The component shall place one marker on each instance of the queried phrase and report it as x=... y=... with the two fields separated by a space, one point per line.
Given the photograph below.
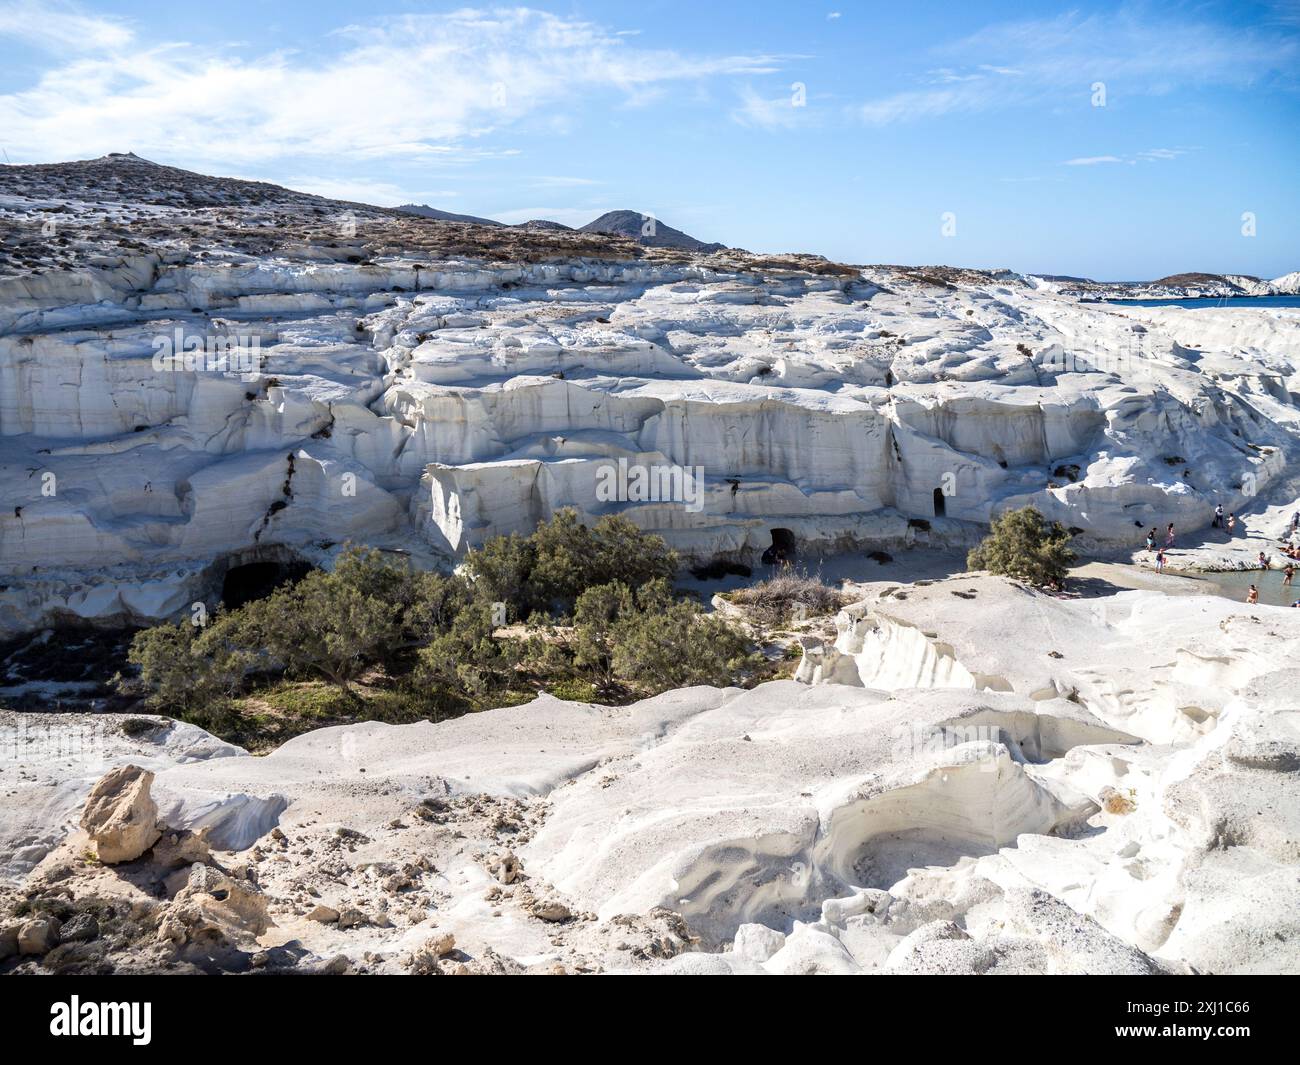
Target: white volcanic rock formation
x=424 y=385
x=1127 y=807
x=1178 y=286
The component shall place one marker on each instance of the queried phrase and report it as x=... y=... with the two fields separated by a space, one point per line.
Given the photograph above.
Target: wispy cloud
x=1155 y=155
x=415 y=87
x=1047 y=61
x=763 y=112
x=61 y=27
x=360 y=190
x=1151 y=155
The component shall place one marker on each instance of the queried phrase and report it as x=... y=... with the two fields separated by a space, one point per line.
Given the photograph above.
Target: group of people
x=1219 y=522
x=1292 y=552
x=1160 y=554
x=1290 y=549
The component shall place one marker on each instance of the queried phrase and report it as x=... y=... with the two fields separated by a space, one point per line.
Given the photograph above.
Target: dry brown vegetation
x=785 y=598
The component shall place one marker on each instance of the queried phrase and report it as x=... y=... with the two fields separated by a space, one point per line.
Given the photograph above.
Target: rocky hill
x=647 y=230
x=1176 y=286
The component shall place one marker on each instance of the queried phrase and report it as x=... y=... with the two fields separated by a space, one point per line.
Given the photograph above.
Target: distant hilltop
x=643 y=228
x=647 y=230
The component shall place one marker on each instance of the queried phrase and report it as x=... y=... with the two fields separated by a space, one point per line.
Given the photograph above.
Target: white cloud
x=1048 y=61
x=357 y=190
x=760 y=112
x=59 y=27
x=416 y=87
x=914 y=105
x=1151 y=155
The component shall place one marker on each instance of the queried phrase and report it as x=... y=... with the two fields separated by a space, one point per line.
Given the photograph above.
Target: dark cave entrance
x=256 y=580
x=939 y=503
x=782 y=550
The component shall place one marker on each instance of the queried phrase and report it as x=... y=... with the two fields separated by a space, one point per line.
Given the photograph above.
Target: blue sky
x=850 y=129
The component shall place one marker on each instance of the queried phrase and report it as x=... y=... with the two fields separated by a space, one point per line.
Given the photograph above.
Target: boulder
x=757 y=942
x=505 y=867
x=38 y=936
x=182 y=849
x=120 y=816
x=215 y=909
x=8 y=942
x=550 y=910
x=79 y=929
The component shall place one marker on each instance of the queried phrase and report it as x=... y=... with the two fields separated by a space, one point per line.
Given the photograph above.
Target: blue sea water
x=1231 y=301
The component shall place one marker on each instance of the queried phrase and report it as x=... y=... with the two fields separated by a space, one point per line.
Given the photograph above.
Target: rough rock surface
x=121 y=816
x=967 y=776
x=423 y=385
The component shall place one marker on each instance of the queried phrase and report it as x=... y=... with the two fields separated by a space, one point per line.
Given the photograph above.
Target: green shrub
x=594 y=617
x=673 y=644
x=500 y=571
x=324 y=625
x=1021 y=544
x=574 y=691
x=410 y=702
x=185 y=669
x=625 y=553
x=550 y=569
x=311 y=700
x=329 y=625
x=468 y=657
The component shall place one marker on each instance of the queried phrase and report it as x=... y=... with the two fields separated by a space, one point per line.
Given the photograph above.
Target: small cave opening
x=939 y=503
x=256 y=580
x=782 y=551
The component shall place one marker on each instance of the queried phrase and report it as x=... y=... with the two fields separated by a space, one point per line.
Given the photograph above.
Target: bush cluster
x=574 y=608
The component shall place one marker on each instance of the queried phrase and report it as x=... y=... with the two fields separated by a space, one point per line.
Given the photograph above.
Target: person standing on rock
x=1151 y=541
x=1218 y=516
x=1160 y=561
x=1232 y=523
x=1252 y=596
x=1169 y=535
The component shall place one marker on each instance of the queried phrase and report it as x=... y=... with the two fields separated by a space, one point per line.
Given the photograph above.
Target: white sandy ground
x=997 y=781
